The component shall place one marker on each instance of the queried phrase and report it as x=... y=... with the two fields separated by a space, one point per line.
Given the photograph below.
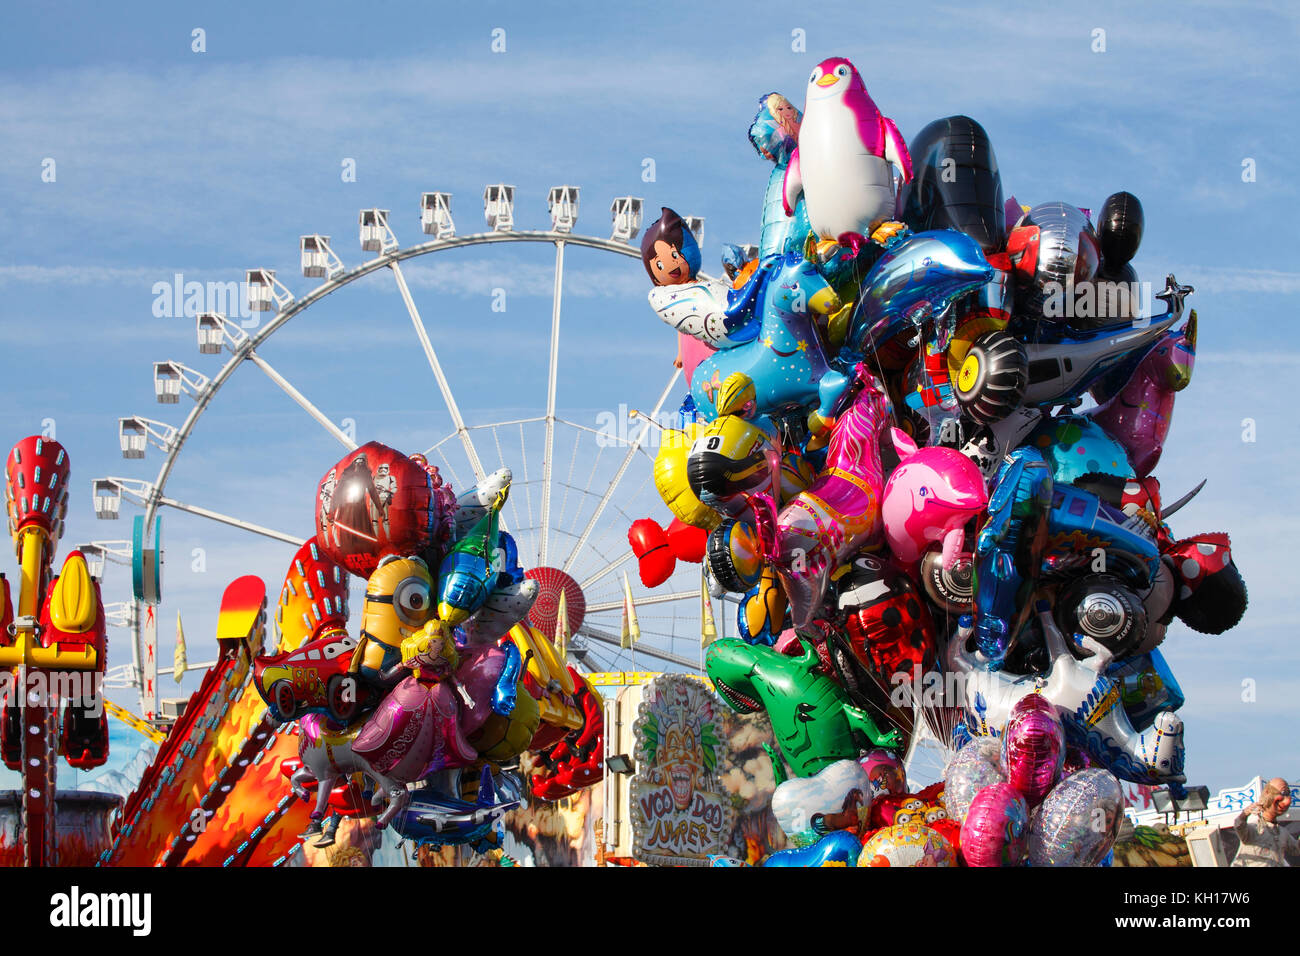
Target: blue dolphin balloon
x=840 y=846
x=912 y=284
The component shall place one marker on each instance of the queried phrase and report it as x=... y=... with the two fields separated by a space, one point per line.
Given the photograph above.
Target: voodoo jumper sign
x=680 y=813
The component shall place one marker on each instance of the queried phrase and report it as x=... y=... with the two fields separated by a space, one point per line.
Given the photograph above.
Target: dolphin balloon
x=930 y=497
x=916 y=281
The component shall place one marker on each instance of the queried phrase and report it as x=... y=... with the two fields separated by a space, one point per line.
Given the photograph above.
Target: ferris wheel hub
x=551 y=582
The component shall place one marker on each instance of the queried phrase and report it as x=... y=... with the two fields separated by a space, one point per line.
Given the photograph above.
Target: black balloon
x=956 y=183
x=1119 y=228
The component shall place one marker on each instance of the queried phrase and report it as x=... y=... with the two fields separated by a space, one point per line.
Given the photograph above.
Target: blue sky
x=206 y=164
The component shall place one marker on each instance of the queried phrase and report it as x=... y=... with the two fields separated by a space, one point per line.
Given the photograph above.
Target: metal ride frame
x=218 y=334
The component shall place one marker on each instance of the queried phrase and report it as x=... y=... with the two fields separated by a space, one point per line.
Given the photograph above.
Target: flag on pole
x=179 y=660
x=631 y=630
x=562 y=633
x=708 y=629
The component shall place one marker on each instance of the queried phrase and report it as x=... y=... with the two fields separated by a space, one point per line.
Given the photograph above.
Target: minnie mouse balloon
x=1078 y=822
x=996 y=827
x=1033 y=748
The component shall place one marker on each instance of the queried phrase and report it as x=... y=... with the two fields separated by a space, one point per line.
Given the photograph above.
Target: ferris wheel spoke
x=302 y=400
x=652 y=599
x=568 y=482
x=551 y=380
x=528 y=492
x=607 y=569
x=622 y=470
x=450 y=468
x=641 y=648
x=295 y=540
x=453 y=409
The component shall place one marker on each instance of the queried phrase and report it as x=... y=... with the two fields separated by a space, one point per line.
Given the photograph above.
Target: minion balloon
x=398 y=603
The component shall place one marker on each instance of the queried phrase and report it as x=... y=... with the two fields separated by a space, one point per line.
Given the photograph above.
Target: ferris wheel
x=576 y=488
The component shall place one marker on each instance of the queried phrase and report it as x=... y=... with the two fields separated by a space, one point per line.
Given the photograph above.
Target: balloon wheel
x=581 y=474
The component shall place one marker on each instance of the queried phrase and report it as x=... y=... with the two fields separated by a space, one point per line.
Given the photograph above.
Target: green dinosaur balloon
x=812 y=719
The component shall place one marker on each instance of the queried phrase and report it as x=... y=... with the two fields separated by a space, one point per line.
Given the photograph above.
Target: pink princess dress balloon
x=929 y=498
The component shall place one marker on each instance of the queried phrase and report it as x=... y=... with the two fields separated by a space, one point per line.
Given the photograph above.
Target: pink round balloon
x=1033 y=748
x=996 y=827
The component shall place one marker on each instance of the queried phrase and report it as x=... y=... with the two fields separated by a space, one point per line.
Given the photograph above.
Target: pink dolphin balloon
x=837 y=515
x=930 y=497
x=1139 y=416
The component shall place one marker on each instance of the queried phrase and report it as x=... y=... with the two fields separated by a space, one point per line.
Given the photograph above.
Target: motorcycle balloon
x=949 y=589
x=1105 y=609
x=1146 y=686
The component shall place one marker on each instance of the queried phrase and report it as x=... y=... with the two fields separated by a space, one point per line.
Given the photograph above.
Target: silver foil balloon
x=1078 y=822
x=1068 y=254
x=974 y=767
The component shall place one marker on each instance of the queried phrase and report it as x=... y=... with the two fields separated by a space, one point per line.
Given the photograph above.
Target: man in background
x=1265 y=842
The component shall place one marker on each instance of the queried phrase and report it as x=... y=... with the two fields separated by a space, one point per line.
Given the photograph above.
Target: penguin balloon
x=845 y=161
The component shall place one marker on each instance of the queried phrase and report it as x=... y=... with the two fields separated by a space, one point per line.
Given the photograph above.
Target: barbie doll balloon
x=775 y=134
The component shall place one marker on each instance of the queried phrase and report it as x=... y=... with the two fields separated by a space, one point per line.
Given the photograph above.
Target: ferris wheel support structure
x=220 y=334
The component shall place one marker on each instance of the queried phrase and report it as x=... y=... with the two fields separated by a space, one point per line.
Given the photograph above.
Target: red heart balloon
x=655 y=557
